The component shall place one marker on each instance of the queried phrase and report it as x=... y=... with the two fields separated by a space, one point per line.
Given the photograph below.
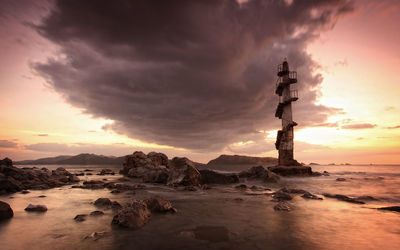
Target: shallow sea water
x=214 y=218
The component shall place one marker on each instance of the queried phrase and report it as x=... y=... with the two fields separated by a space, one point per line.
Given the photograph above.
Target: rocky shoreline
x=178 y=173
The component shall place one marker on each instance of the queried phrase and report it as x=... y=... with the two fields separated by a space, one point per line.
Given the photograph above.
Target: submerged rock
x=282 y=206
x=80 y=217
x=135 y=215
x=6 y=211
x=281 y=195
x=343 y=198
x=214 y=177
x=96 y=213
x=36 y=208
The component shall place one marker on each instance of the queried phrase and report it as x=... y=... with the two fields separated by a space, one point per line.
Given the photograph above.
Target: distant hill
x=81 y=159
x=239 y=162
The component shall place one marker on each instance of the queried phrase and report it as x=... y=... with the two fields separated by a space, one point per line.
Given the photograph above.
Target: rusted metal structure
x=284 y=139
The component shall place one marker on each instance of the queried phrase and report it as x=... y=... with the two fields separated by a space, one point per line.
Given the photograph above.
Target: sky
x=197 y=78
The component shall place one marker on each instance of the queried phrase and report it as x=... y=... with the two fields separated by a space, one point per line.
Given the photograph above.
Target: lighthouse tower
x=284 y=139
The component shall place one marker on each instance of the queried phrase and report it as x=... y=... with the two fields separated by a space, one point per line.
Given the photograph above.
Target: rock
x=13 y=179
x=116 y=191
x=316 y=174
x=159 y=204
x=6 y=211
x=340 y=179
x=102 y=202
x=367 y=198
x=311 y=196
x=214 y=177
x=259 y=172
x=106 y=171
x=292 y=170
x=183 y=172
x=151 y=167
x=88 y=174
x=79 y=174
x=97 y=235
x=282 y=206
x=281 y=195
x=393 y=208
x=96 y=213
x=325 y=173
x=88 y=170
x=25 y=192
x=80 y=217
x=6 y=162
x=241 y=187
x=190 y=188
x=42 y=196
x=135 y=215
x=36 y=208
x=238 y=199
x=93 y=184
x=343 y=198
x=124 y=179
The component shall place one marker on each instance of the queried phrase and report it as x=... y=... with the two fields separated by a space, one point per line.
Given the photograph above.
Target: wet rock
x=325 y=173
x=392 y=208
x=292 y=170
x=159 y=204
x=311 y=196
x=282 y=206
x=340 y=179
x=80 y=217
x=6 y=211
x=214 y=177
x=367 y=198
x=135 y=215
x=101 y=202
x=159 y=175
x=116 y=191
x=25 y=192
x=42 y=196
x=106 y=171
x=88 y=174
x=281 y=195
x=241 y=187
x=79 y=174
x=13 y=179
x=36 y=208
x=93 y=184
x=88 y=170
x=190 y=188
x=115 y=205
x=183 y=172
x=259 y=172
x=96 y=213
x=97 y=235
x=343 y=198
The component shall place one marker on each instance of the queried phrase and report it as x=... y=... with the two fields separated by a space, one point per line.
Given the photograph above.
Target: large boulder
x=214 y=177
x=134 y=215
x=259 y=172
x=151 y=167
x=182 y=171
x=5 y=211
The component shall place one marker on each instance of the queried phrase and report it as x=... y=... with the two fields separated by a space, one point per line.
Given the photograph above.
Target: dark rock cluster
x=13 y=179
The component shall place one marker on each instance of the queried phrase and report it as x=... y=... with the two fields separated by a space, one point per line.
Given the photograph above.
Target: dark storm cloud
x=191 y=74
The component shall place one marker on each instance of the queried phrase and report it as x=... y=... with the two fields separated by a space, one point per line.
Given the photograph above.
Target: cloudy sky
x=197 y=78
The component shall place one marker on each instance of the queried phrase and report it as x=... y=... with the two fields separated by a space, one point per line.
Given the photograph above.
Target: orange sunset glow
x=356 y=54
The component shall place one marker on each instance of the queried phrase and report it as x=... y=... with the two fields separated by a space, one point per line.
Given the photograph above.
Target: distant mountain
x=81 y=159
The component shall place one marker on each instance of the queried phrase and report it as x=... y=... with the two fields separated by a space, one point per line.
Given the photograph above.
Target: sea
x=221 y=217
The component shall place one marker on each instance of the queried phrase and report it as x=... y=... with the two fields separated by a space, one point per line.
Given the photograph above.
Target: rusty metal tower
x=284 y=139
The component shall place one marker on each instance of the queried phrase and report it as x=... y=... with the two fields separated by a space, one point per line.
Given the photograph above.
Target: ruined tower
x=284 y=139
